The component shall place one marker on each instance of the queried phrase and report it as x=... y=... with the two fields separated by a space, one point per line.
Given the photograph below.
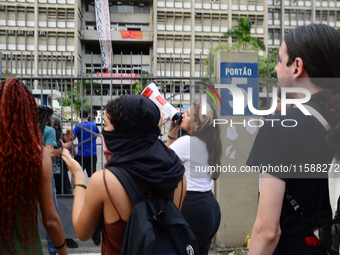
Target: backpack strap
x=317 y=115
x=333 y=176
x=129 y=183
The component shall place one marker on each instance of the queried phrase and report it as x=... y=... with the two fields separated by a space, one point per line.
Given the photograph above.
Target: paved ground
x=87 y=248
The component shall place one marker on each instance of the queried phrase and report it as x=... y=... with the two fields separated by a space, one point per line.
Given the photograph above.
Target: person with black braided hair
x=50 y=142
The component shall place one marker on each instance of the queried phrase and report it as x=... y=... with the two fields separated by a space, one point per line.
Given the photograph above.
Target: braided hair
x=45 y=114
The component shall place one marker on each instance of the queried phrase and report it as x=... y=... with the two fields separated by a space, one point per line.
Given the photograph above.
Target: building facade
x=284 y=15
x=59 y=37
x=38 y=37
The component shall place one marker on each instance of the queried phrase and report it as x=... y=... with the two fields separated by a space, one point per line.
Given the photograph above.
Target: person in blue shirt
x=87 y=149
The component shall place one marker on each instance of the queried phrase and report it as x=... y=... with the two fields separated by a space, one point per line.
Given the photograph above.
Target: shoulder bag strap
x=333 y=174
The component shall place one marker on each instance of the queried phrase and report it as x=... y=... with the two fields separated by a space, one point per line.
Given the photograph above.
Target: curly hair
x=20 y=165
x=115 y=112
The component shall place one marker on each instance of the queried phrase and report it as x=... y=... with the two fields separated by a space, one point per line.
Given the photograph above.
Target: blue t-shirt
x=86 y=135
x=49 y=136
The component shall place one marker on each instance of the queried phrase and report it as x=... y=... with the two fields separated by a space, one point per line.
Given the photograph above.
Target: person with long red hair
x=25 y=175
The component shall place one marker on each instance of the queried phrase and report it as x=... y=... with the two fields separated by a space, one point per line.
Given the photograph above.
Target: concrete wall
x=236 y=193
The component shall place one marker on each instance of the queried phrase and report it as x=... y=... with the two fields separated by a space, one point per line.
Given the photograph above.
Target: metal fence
x=47 y=88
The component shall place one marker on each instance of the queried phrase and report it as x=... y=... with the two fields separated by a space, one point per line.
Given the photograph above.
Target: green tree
x=140 y=84
x=76 y=102
x=242 y=33
x=86 y=85
x=272 y=64
x=226 y=46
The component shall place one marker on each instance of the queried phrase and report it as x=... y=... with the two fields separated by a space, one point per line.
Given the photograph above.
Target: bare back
x=122 y=201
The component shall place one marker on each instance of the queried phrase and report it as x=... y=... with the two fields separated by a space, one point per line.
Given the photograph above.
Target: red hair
x=20 y=165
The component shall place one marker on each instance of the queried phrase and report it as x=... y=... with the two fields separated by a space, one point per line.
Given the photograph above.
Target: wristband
x=61 y=246
x=172 y=138
x=80 y=185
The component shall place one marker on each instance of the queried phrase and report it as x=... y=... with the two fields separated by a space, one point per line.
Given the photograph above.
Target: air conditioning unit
x=21 y=32
x=42 y=32
x=2 y=7
x=69 y=57
x=287 y=30
x=141 y=4
x=30 y=32
x=301 y=11
x=4 y=56
x=270 y=9
x=187 y=83
x=11 y=32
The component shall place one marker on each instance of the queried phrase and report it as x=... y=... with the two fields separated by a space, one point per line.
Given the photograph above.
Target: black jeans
x=202 y=212
x=87 y=164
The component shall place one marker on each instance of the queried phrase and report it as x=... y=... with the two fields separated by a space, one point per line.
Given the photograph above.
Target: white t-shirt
x=194 y=154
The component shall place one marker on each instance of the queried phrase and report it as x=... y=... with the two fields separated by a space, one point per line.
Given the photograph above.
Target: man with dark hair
x=87 y=150
x=307 y=54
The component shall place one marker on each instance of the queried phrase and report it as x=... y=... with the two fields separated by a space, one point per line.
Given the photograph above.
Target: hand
x=68 y=135
x=72 y=165
x=67 y=145
x=161 y=121
x=174 y=131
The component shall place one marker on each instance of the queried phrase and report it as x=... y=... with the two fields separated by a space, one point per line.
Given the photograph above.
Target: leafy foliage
x=140 y=84
x=242 y=33
x=226 y=46
x=86 y=85
x=76 y=102
x=272 y=64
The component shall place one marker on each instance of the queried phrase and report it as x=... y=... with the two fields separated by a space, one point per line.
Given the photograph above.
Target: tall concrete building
x=31 y=30
x=175 y=35
x=284 y=15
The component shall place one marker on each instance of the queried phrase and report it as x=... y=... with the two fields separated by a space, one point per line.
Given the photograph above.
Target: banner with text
x=104 y=31
x=132 y=34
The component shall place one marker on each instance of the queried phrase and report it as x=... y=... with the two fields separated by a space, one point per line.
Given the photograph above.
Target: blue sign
x=244 y=75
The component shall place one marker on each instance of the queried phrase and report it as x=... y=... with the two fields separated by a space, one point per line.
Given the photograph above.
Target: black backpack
x=155 y=226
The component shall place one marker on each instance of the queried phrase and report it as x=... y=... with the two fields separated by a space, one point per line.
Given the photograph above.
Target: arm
x=180 y=192
x=50 y=218
x=53 y=152
x=172 y=133
x=87 y=204
x=266 y=231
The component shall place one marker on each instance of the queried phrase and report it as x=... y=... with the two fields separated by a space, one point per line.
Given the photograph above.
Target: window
x=270 y=17
x=276 y=37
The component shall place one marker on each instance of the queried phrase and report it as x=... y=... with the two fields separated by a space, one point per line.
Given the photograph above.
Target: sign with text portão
x=237 y=80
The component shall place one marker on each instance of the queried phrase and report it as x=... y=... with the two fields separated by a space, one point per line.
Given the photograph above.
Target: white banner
x=104 y=31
